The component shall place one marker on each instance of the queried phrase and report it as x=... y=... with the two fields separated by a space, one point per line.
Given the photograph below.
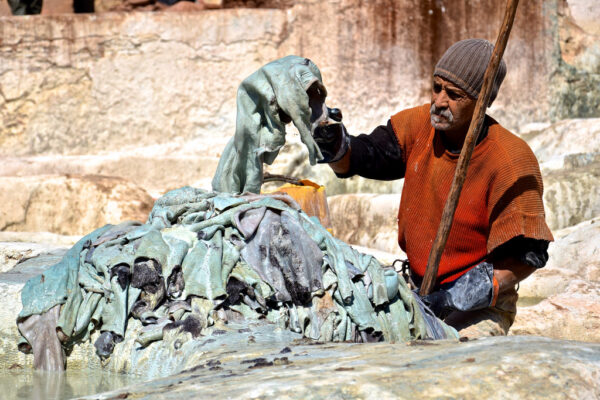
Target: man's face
x=451 y=108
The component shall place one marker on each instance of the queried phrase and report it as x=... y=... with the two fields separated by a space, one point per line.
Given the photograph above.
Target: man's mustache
x=443 y=112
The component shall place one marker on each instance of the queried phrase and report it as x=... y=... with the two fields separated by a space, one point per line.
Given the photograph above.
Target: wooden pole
x=465 y=155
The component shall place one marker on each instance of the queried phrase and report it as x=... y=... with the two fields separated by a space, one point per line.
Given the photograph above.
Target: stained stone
x=498 y=367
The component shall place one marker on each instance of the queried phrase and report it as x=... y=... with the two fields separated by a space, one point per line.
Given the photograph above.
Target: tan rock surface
x=573 y=314
x=568 y=287
x=569 y=155
x=69 y=205
x=560 y=145
x=572 y=195
x=94 y=85
x=98 y=81
x=41 y=238
x=127 y=80
x=368 y=220
x=156 y=170
x=54 y=7
x=579 y=32
x=578 y=249
x=499 y=368
x=13 y=253
x=586 y=14
x=4 y=9
x=575 y=255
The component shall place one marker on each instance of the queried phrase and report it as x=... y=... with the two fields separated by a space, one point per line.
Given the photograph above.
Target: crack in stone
x=25 y=212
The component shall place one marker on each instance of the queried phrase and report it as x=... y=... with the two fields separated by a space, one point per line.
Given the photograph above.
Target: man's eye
x=453 y=95
x=437 y=87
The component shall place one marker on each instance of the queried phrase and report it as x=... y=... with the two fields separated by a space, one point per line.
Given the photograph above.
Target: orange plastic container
x=311 y=197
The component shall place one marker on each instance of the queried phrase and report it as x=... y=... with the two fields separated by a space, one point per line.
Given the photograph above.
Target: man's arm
x=516 y=259
x=375 y=156
x=342 y=166
x=479 y=288
x=510 y=271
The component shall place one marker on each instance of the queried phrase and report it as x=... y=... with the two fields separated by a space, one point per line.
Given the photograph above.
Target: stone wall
x=83 y=84
x=69 y=205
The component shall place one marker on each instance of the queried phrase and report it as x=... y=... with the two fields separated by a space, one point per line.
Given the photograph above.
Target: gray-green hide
x=266 y=101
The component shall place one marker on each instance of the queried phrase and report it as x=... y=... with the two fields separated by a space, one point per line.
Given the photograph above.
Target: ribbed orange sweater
x=501 y=197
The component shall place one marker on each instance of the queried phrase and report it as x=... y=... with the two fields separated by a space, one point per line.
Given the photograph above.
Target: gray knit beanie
x=464 y=64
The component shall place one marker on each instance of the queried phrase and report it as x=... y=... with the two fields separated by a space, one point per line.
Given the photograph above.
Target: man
x=499 y=235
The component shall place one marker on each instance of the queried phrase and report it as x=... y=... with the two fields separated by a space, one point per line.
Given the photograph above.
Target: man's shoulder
x=418 y=113
x=510 y=150
x=412 y=120
x=505 y=139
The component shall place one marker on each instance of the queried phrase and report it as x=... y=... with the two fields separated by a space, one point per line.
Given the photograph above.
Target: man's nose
x=440 y=99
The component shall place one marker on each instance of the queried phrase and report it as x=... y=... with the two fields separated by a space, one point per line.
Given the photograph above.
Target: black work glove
x=474 y=290
x=333 y=139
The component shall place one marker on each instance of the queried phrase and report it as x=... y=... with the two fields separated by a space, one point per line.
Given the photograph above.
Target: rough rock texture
x=156 y=169
x=42 y=238
x=94 y=76
x=272 y=363
x=95 y=83
x=85 y=94
x=13 y=253
x=4 y=9
x=368 y=220
x=566 y=144
x=61 y=204
x=575 y=255
x=566 y=290
x=586 y=14
x=525 y=368
x=572 y=195
x=573 y=314
x=577 y=75
x=514 y=367
x=569 y=155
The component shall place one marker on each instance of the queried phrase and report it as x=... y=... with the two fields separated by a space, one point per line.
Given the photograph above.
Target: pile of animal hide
x=205 y=258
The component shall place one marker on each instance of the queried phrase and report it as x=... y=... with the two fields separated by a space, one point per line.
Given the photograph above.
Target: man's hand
x=332 y=138
x=474 y=290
